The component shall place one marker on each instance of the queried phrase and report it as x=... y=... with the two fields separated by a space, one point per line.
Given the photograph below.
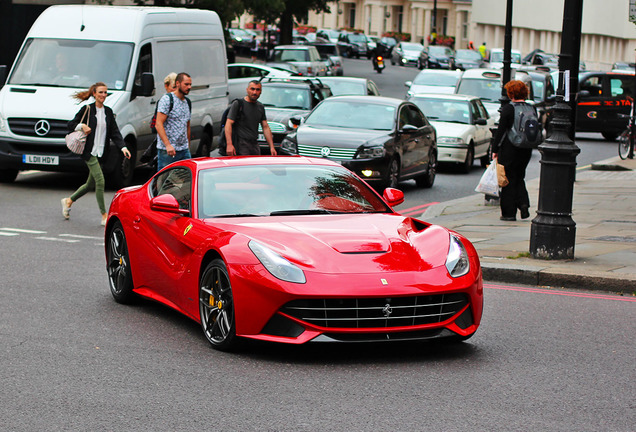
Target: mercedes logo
x=42 y=128
x=325 y=151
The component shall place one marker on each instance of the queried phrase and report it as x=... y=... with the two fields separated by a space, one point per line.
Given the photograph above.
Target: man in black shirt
x=245 y=116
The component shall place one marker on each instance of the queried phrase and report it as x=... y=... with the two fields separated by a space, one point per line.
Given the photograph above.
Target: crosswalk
x=44 y=235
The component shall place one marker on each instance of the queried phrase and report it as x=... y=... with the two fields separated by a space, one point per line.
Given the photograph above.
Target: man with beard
x=173 y=123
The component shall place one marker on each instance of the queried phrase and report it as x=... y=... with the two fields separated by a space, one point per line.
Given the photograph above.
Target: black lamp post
x=507 y=60
x=553 y=231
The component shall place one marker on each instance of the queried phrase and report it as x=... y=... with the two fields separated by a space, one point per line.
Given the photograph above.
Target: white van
x=70 y=47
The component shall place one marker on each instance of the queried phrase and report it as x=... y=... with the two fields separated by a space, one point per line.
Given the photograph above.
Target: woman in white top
x=101 y=129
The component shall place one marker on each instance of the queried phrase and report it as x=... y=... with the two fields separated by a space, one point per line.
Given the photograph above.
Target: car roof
x=482 y=73
x=456 y=72
x=343 y=78
x=293 y=81
x=455 y=97
x=516 y=51
x=293 y=47
x=378 y=100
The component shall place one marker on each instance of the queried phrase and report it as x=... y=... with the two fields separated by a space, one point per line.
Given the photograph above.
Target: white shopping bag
x=488 y=183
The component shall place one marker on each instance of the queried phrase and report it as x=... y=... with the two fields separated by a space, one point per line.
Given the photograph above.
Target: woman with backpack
x=515 y=159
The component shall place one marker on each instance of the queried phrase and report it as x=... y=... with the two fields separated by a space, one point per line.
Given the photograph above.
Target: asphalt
x=604 y=210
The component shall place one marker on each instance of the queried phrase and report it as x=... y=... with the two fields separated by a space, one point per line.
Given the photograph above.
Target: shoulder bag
x=75 y=141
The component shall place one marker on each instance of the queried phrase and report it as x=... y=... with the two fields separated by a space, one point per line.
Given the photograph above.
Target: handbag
x=488 y=183
x=75 y=141
x=502 y=180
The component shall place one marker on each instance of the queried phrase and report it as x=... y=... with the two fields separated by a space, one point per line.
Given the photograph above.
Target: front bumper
x=451 y=153
x=12 y=156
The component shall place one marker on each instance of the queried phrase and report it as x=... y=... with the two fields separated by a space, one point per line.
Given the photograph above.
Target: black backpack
x=526 y=128
x=222 y=141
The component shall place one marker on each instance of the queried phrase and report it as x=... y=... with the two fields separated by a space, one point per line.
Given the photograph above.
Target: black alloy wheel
x=609 y=136
x=8 y=175
x=118 y=265
x=216 y=306
x=392 y=174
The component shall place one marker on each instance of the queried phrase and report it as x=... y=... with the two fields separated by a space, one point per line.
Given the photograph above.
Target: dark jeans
x=515 y=195
x=164 y=160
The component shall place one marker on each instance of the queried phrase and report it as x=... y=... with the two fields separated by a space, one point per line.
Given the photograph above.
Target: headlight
x=371 y=152
x=289 y=146
x=278 y=266
x=457 y=262
x=449 y=140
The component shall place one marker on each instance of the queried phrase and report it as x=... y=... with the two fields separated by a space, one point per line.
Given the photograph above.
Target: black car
x=285 y=98
x=354 y=45
x=543 y=94
x=398 y=144
x=468 y=59
x=602 y=97
x=438 y=57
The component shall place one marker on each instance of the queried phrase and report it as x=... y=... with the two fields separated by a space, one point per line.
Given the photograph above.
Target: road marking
x=7 y=234
x=561 y=293
x=57 y=239
x=81 y=236
x=416 y=210
x=18 y=230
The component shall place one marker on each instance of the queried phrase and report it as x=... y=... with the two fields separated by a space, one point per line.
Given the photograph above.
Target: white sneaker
x=104 y=219
x=66 y=209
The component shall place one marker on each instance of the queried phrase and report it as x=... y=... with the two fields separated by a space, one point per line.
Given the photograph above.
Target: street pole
x=553 y=231
x=435 y=17
x=507 y=60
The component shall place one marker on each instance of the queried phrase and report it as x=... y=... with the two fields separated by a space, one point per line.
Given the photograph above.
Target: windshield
x=412 y=46
x=340 y=88
x=73 y=63
x=284 y=190
x=439 y=51
x=291 y=55
x=436 y=79
x=488 y=90
x=443 y=110
x=497 y=57
x=352 y=115
x=286 y=97
x=357 y=37
x=468 y=55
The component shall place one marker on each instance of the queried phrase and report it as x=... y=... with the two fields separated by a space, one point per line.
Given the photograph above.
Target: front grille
x=377 y=312
x=275 y=127
x=334 y=152
x=26 y=127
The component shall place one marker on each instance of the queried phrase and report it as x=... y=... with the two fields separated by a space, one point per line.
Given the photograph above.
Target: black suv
x=354 y=45
x=285 y=98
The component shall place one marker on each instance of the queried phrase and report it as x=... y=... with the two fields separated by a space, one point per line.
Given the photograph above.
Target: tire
x=122 y=175
x=379 y=70
x=427 y=179
x=623 y=144
x=205 y=145
x=118 y=265
x=609 y=136
x=393 y=174
x=485 y=160
x=8 y=175
x=469 y=161
x=392 y=61
x=216 y=306
x=419 y=64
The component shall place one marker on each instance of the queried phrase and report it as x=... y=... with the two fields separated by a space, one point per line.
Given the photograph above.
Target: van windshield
x=73 y=63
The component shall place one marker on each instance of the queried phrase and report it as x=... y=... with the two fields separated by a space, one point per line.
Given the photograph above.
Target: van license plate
x=261 y=137
x=41 y=159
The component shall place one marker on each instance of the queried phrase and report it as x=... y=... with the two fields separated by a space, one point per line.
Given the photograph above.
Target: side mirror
x=147 y=87
x=481 y=122
x=408 y=83
x=393 y=197
x=3 y=74
x=584 y=94
x=296 y=120
x=408 y=129
x=168 y=204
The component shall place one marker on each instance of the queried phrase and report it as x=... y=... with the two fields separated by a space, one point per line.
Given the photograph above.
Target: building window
x=352 y=16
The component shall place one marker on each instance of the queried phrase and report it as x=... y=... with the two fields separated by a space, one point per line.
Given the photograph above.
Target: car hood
x=411 y=53
x=451 y=129
x=282 y=115
x=336 y=136
x=337 y=243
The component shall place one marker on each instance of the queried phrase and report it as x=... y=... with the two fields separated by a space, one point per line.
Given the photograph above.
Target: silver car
x=305 y=57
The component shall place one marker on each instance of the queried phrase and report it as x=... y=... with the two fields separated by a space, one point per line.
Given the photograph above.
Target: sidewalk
x=604 y=210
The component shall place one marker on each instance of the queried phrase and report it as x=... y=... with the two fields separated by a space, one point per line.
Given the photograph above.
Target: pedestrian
x=471 y=46
x=173 y=123
x=483 y=51
x=170 y=82
x=245 y=115
x=433 y=37
x=254 y=48
x=101 y=129
x=149 y=155
x=514 y=159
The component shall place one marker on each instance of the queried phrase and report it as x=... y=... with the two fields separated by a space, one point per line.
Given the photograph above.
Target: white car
x=433 y=81
x=463 y=127
x=497 y=57
x=240 y=74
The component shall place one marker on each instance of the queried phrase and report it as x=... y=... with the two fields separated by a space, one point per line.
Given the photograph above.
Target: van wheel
x=609 y=136
x=205 y=145
x=122 y=175
x=8 y=175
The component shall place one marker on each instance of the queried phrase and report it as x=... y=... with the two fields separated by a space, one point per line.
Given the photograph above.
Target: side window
x=144 y=63
x=233 y=72
x=482 y=110
x=176 y=182
x=621 y=87
x=474 y=111
x=416 y=118
x=592 y=85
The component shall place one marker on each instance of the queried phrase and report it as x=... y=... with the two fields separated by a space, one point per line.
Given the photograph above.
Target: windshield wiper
x=301 y=212
x=237 y=215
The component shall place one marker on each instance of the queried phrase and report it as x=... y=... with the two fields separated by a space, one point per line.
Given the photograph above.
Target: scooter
x=378 y=63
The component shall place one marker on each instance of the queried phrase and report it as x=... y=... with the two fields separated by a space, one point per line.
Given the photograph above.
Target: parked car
x=623 y=67
x=602 y=97
x=468 y=59
x=497 y=57
x=463 y=127
x=354 y=45
x=289 y=250
x=406 y=53
x=434 y=81
x=437 y=57
x=331 y=51
x=486 y=85
x=285 y=98
x=329 y=34
x=305 y=57
x=351 y=86
x=383 y=140
x=240 y=74
x=241 y=40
